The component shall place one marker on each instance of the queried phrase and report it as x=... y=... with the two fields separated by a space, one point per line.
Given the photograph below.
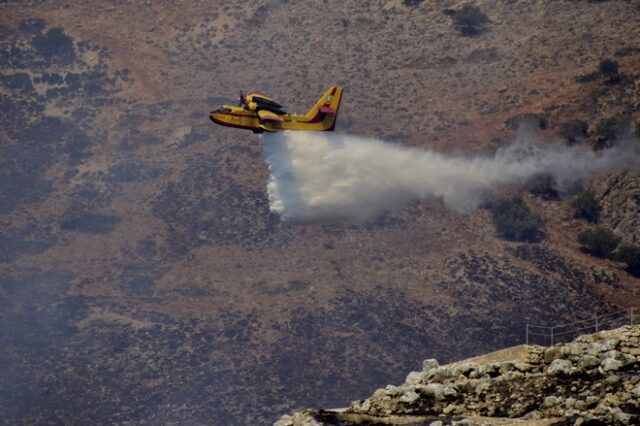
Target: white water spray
x=327 y=177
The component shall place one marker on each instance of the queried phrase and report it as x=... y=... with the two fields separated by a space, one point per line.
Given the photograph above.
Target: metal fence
x=564 y=332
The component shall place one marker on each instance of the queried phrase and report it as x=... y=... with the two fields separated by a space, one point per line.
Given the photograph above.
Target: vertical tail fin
x=326 y=109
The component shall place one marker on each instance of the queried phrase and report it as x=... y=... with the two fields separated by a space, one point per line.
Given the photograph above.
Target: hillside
x=143 y=277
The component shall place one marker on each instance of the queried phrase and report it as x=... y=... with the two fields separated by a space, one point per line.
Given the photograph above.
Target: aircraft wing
x=269 y=116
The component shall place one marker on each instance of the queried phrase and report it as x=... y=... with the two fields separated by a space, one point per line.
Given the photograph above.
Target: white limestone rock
x=560 y=366
x=429 y=364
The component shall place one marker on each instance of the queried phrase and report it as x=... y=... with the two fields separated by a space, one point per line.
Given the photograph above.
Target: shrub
x=92 y=223
x=588 y=78
x=55 y=44
x=527 y=119
x=629 y=254
x=18 y=81
x=469 y=20
x=610 y=68
x=543 y=185
x=575 y=130
x=608 y=129
x=586 y=206
x=410 y=3
x=515 y=222
x=599 y=241
x=32 y=25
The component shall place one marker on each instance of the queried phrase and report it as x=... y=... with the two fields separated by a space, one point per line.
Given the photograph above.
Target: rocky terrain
x=618 y=195
x=594 y=380
x=143 y=277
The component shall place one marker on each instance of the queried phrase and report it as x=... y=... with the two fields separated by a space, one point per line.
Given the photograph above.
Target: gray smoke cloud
x=328 y=177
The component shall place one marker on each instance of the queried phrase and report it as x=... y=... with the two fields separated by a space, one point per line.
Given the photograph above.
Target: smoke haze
x=327 y=177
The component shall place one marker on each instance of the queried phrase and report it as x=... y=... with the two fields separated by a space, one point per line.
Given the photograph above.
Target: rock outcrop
x=594 y=380
x=620 y=199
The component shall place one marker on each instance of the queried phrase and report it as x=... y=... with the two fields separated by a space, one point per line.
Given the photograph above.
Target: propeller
x=241 y=100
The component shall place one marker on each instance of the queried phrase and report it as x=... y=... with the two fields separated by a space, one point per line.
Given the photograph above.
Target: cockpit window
x=223 y=109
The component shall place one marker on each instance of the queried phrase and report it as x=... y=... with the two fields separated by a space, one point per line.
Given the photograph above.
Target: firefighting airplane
x=261 y=114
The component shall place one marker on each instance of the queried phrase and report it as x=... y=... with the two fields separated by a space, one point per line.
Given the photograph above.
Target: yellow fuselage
x=321 y=117
x=241 y=118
